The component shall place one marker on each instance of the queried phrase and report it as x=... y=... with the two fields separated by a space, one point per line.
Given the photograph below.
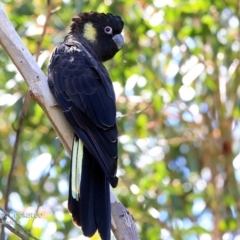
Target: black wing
x=84 y=91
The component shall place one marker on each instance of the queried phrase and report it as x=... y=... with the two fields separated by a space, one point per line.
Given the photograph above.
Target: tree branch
x=7 y=221
x=14 y=157
x=39 y=91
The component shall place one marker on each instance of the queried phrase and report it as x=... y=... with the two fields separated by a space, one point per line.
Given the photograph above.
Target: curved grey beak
x=118 y=39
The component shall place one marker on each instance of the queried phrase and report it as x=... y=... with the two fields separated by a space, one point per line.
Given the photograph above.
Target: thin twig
x=6 y=214
x=178 y=140
x=16 y=232
x=14 y=156
x=15 y=149
x=48 y=16
x=135 y=112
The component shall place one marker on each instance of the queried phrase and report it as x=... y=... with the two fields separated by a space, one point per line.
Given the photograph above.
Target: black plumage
x=84 y=91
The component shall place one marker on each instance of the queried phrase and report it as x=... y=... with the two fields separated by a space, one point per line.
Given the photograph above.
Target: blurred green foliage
x=177 y=88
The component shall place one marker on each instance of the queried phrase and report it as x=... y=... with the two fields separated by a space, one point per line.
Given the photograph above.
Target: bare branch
x=14 y=157
x=48 y=16
x=16 y=232
x=15 y=149
x=136 y=112
x=4 y=222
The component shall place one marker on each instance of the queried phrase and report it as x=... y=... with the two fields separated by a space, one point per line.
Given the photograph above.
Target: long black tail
x=92 y=210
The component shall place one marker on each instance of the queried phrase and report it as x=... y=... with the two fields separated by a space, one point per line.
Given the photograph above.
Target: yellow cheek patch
x=89 y=32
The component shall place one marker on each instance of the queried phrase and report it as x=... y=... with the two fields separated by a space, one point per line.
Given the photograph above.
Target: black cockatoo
x=84 y=91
